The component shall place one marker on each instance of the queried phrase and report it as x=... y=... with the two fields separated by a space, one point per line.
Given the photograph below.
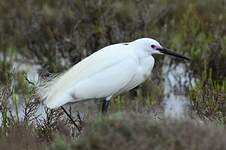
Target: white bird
x=107 y=72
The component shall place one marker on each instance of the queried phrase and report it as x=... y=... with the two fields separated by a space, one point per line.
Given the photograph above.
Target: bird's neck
x=140 y=49
x=141 y=53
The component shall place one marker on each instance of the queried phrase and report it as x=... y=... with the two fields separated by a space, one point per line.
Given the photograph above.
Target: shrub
x=142 y=132
x=209 y=98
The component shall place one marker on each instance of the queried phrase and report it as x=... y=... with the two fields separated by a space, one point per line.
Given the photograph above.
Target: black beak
x=172 y=53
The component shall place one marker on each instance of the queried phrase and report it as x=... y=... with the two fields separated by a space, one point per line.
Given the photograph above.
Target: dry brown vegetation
x=123 y=130
x=57 y=34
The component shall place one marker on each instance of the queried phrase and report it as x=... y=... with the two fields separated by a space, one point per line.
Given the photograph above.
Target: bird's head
x=152 y=46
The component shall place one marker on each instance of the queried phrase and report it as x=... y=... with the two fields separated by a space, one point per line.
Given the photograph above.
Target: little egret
x=107 y=72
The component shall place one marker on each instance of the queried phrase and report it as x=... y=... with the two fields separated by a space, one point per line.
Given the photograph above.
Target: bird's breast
x=143 y=72
x=145 y=67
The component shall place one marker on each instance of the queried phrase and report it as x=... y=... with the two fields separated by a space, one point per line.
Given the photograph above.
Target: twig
x=71 y=119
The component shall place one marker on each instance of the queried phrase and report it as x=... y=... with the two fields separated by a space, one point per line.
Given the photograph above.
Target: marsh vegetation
x=187 y=110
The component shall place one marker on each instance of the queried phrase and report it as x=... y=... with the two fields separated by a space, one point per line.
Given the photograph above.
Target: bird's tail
x=44 y=88
x=58 y=90
x=53 y=91
x=43 y=82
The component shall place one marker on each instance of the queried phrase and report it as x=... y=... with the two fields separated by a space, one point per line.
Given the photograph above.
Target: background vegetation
x=57 y=34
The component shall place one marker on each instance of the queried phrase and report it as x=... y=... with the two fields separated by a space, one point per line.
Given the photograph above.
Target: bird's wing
x=111 y=64
x=107 y=82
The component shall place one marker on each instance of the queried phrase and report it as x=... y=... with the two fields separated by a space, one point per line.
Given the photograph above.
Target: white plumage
x=110 y=71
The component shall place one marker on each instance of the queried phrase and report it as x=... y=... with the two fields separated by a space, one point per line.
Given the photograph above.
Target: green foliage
x=48 y=31
x=43 y=30
x=59 y=144
x=4 y=71
x=197 y=29
x=209 y=98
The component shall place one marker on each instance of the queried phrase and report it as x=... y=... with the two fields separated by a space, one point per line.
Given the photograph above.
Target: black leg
x=105 y=105
x=71 y=119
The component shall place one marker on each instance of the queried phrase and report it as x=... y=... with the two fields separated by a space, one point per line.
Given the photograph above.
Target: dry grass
x=20 y=137
x=122 y=130
x=138 y=131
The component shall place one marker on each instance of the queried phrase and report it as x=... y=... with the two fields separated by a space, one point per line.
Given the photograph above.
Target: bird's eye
x=153 y=46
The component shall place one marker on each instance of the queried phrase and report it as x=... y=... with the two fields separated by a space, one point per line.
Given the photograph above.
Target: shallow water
x=177 y=81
